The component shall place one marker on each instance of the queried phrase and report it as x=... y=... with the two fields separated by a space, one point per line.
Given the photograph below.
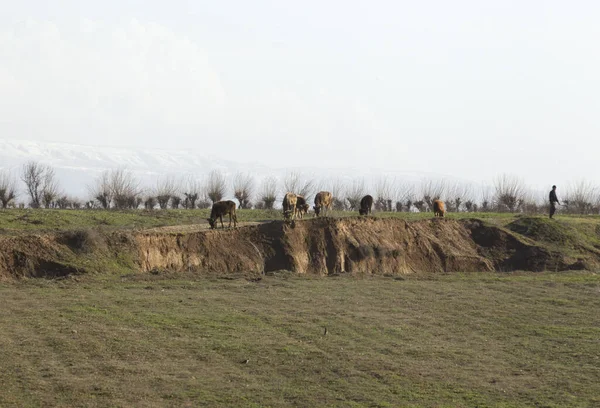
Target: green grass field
x=459 y=340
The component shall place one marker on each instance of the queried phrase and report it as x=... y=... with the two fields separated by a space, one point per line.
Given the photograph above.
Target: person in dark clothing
x=553 y=201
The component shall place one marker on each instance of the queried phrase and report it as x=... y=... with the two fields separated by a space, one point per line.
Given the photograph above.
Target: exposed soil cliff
x=316 y=246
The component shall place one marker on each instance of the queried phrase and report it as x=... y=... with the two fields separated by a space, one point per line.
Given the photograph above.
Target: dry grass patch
x=444 y=340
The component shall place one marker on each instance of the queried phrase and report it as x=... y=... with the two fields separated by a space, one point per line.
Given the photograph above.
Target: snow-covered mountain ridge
x=77 y=165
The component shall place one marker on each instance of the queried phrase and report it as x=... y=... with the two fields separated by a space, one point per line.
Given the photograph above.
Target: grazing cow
x=323 y=202
x=365 y=205
x=289 y=206
x=301 y=206
x=439 y=208
x=219 y=209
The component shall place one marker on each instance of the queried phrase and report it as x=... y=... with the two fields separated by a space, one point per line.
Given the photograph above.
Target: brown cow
x=289 y=206
x=323 y=201
x=439 y=208
x=365 y=205
x=301 y=206
x=219 y=209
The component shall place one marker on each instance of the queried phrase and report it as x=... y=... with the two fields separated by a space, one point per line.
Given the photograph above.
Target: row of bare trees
x=41 y=186
x=121 y=189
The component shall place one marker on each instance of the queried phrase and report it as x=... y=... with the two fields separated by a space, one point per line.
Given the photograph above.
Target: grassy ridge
x=43 y=219
x=446 y=340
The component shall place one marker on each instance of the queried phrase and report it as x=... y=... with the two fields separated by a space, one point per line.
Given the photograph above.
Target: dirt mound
x=509 y=252
x=317 y=246
x=545 y=230
x=325 y=246
x=33 y=256
x=579 y=245
x=230 y=251
x=356 y=245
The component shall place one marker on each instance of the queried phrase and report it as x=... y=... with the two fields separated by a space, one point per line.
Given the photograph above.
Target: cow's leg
x=234 y=220
x=229 y=220
x=221 y=218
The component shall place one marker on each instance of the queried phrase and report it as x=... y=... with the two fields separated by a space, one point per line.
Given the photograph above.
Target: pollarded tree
x=243 y=189
x=125 y=189
x=8 y=188
x=404 y=194
x=175 y=201
x=432 y=190
x=294 y=183
x=509 y=192
x=191 y=193
x=384 y=193
x=581 y=197
x=150 y=202
x=336 y=188
x=354 y=193
x=268 y=192
x=165 y=189
x=215 y=187
x=101 y=190
x=486 y=199
x=457 y=195
x=40 y=182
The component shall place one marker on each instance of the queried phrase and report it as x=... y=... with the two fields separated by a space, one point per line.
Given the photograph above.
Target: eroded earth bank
x=316 y=246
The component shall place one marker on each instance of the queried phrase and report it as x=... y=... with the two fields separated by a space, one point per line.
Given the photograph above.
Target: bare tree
x=470 y=206
x=8 y=188
x=165 y=189
x=432 y=190
x=32 y=175
x=243 y=189
x=384 y=193
x=76 y=203
x=509 y=193
x=268 y=192
x=456 y=195
x=294 y=183
x=531 y=204
x=191 y=193
x=125 y=189
x=404 y=195
x=581 y=197
x=175 y=201
x=50 y=192
x=486 y=199
x=101 y=190
x=420 y=205
x=215 y=188
x=336 y=187
x=40 y=182
x=150 y=202
x=354 y=194
x=65 y=202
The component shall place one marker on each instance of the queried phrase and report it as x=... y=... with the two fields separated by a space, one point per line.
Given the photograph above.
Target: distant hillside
x=77 y=165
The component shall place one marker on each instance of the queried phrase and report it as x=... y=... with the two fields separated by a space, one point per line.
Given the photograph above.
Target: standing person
x=553 y=201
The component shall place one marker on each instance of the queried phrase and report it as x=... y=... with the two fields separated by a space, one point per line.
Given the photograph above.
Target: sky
x=469 y=89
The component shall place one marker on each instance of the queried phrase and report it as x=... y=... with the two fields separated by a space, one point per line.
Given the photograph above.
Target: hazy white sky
x=465 y=88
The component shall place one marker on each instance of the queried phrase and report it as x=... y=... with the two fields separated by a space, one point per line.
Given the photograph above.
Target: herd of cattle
x=295 y=205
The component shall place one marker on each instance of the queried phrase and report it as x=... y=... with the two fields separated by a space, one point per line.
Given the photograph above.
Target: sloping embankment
x=317 y=246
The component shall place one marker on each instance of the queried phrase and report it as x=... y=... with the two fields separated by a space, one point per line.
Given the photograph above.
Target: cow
x=289 y=206
x=323 y=202
x=219 y=209
x=366 y=203
x=301 y=206
x=439 y=208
